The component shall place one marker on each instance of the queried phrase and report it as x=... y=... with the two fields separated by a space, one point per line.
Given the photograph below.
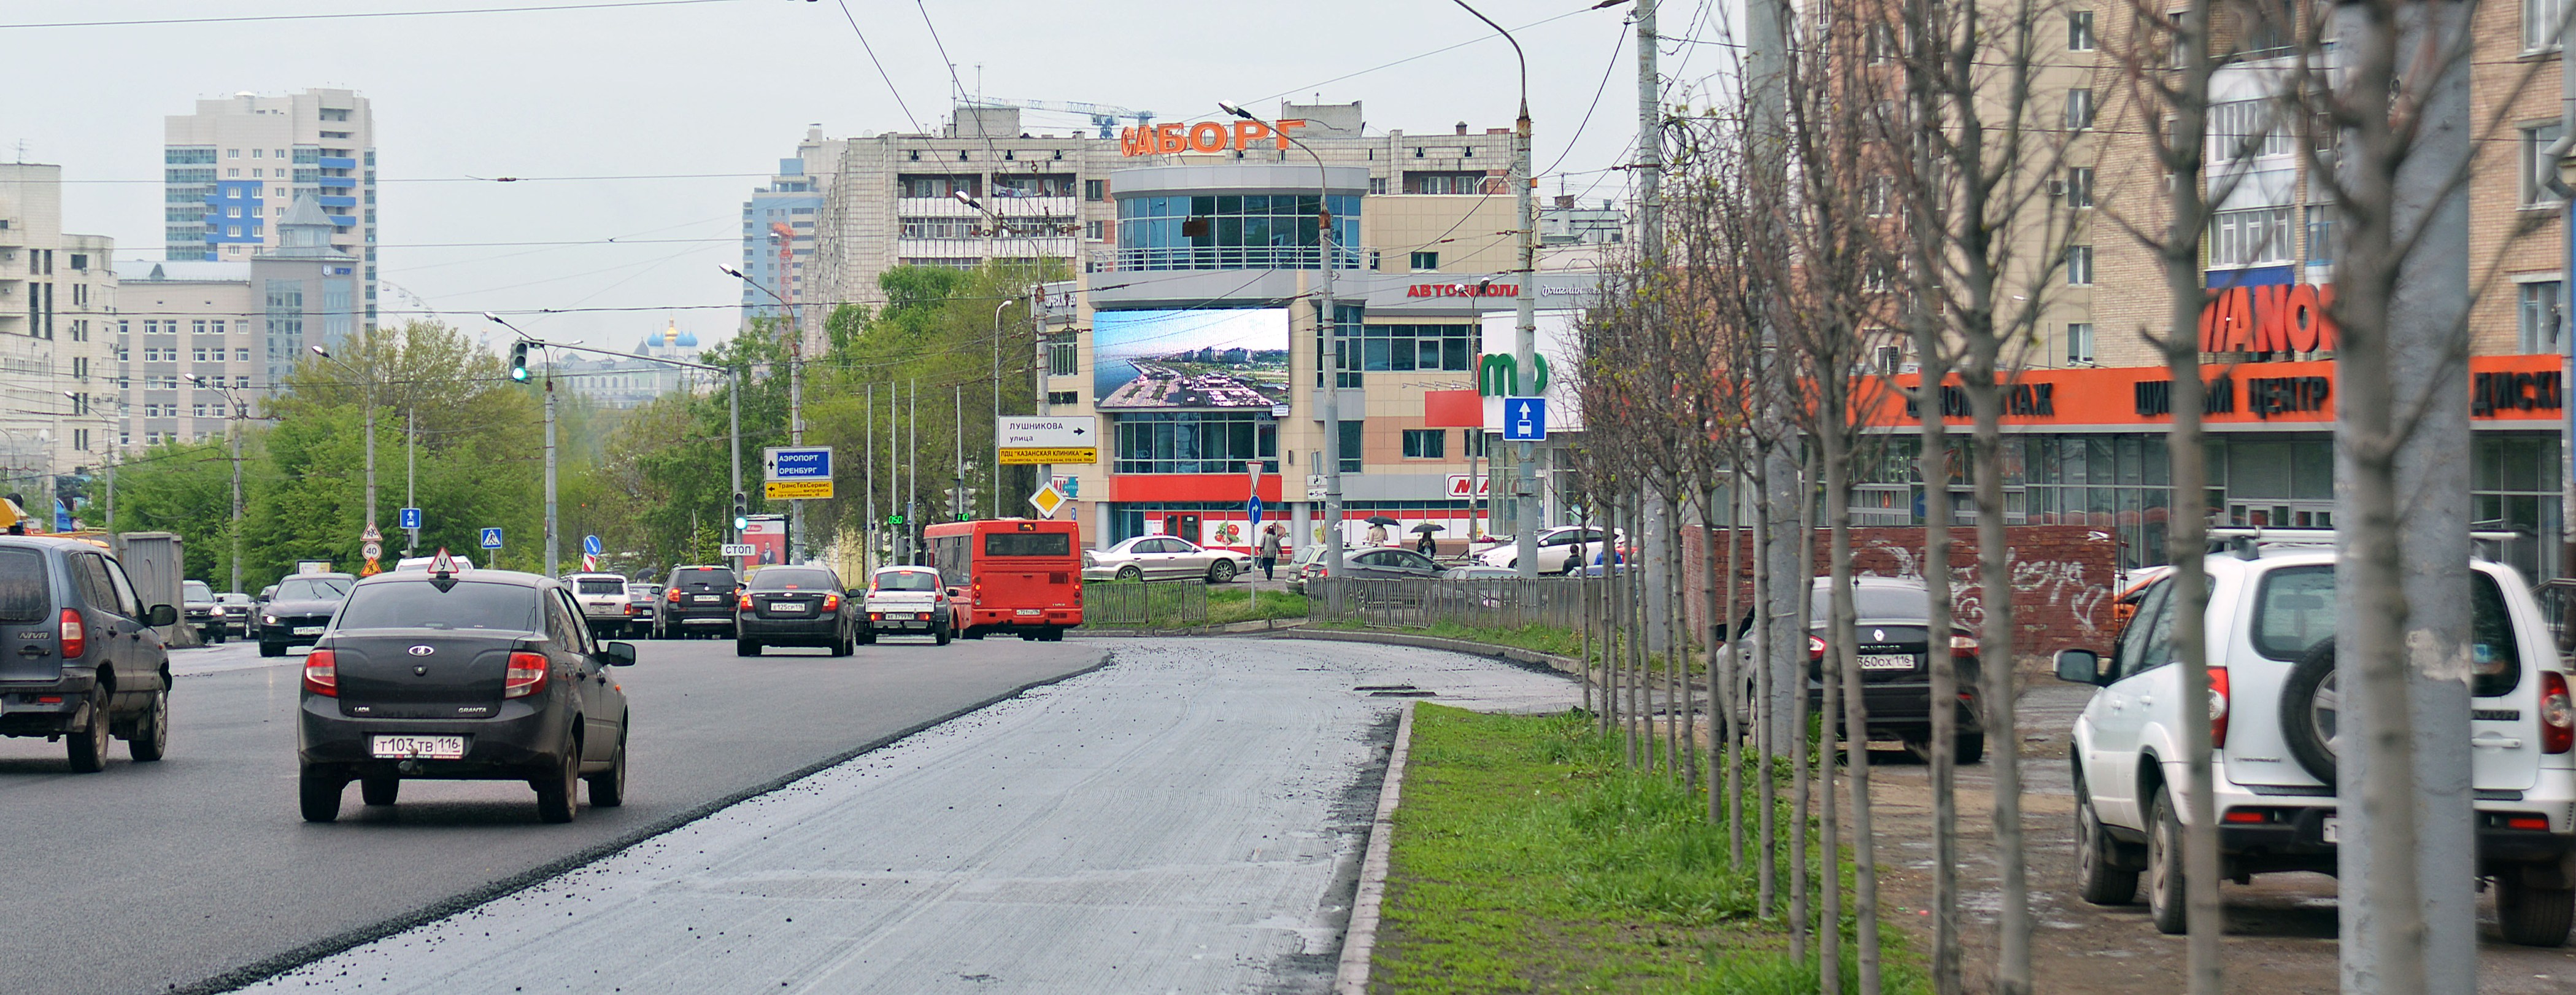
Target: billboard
x=1559 y=348
x=1160 y=360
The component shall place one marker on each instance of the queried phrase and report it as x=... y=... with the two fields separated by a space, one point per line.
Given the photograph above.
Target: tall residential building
x=233 y=168
x=782 y=215
x=57 y=291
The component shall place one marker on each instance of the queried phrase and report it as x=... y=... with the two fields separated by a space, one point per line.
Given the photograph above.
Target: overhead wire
x=351 y=15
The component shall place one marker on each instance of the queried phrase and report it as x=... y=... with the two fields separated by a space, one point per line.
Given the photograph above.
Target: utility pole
x=868 y=462
x=236 y=434
x=411 y=476
x=957 y=508
x=911 y=495
x=997 y=412
x=1657 y=523
x=1525 y=380
x=550 y=468
x=1329 y=313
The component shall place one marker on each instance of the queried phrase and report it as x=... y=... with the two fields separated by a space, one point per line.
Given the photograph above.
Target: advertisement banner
x=1173 y=360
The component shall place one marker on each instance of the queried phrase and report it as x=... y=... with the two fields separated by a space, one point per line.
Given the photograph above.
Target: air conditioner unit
x=1909 y=367
x=2057 y=188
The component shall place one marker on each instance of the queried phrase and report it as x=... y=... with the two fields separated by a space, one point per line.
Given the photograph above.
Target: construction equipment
x=1103 y=116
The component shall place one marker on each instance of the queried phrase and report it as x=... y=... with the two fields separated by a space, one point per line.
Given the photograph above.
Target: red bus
x=1012 y=576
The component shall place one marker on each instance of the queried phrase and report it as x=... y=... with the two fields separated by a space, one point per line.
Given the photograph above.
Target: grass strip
x=1527 y=857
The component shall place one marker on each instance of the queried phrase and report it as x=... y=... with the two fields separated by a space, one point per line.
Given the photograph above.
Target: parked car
x=641 y=599
x=605 y=605
x=1479 y=573
x=197 y=606
x=1563 y=549
x=794 y=606
x=237 y=609
x=1893 y=622
x=82 y=660
x=2270 y=636
x=461 y=675
x=1164 y=558
x=1381 y=563
x=295 y=614
x=908 y=601
x=697 y=601
x=1296 y=568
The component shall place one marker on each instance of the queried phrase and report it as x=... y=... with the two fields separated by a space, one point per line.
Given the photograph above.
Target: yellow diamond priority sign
x=1048 y=500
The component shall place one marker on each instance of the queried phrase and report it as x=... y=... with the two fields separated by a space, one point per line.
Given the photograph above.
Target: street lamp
x=999 y=228
x=551 y=543
x=232 y=433
x=1332 y=319
x=795 y=403
x=369 y=405
x=1525 y=337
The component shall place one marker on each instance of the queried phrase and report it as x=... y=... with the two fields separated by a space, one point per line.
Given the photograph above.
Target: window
x=2079 y=342
x=2321 y=234
x=2540 y=317
x=1194 y=441
x=1095 y=189
x=1449 y=182
x=1229 y=231
x=2255 y=237
x=232 y=153
x=1890 y=359
x=1351 y=446
x=2079 y=109
x=1033 y=185
x=2540 y=23
x=939 y=228
x=1878 y=199
x=1879 y=45
x=1064 y=397
x=1426 y=443
x=2537 y=167
x=2079 y=31
x=1476 y=443
x=242 y=356
x=1450 y=348
x=2079 y=266
x=1061 y=356
x=2079 y=186
x=1426 y=260
x=2239 y=128
x=1095 y=230
x=939 y=185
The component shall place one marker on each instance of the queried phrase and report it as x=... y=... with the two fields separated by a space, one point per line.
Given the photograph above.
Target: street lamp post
x=998 y=228
x=232 y=432
x=1525 y=336
x=1331 y=316
x=795 y=404
x=108 y=440
x=368 y=403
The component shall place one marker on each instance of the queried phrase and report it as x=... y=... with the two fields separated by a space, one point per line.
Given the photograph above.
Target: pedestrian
x=1427 y=547
x=1270 y=550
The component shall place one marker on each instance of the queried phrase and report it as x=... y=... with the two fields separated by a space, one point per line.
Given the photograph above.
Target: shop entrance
x=2282 y=514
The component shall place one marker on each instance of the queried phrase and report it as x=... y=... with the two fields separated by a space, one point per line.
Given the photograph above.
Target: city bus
x=1011 y=576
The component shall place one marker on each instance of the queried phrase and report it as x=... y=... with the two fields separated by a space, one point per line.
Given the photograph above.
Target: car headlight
x=268 y=620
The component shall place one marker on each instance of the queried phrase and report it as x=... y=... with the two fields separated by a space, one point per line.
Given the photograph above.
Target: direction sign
x=796 y=463
x=410 y=518
x=492 y=538
x=1254 y=506
x=1029 y=440
x=1525 y=419
x=1048 y=500
x=372 y=551
x=590 y=545
x=796 y=490
x=1315 y=489
x=739 y=549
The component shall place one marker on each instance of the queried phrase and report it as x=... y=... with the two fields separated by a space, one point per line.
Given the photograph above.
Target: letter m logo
x=1497 y=376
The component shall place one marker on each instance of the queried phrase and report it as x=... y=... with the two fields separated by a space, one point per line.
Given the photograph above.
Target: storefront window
x=1234 y=231
x=1196 y=441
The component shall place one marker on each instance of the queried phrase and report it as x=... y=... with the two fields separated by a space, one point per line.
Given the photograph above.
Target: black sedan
x=461 y=675
x=295 y=613
x=795 y=606
x=1893 y=622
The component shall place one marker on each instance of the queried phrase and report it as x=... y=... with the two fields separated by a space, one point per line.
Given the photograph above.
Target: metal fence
x=1131 y=604
x=1498 y=604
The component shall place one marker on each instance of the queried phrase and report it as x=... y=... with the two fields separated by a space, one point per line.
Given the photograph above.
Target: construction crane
x=1103 y=116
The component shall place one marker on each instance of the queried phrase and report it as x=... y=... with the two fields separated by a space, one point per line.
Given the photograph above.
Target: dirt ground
x=2280 y=936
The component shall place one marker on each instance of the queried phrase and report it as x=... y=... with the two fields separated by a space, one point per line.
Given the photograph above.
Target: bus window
x=1055 y=544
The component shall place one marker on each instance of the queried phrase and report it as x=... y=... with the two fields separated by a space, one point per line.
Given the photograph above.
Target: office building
x=778 y=227
x=57 y=295
x=234 y=167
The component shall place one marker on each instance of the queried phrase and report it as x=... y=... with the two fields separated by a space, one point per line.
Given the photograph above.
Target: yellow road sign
x=796 y=490
x=1068 y=454
x=1047 y=500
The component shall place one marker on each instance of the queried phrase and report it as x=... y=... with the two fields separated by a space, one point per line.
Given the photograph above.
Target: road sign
x=796 y=463
x=1047 y=500
x=590 y=545
x=1525 y=419
x=739 y=549
x=371 y=535
x=796 y=490
x=1254 y=506
x=1315 y=489
x=372 y=550
x=1026 y=440
x=410 y=518
x=590 y=563
x=491 y=538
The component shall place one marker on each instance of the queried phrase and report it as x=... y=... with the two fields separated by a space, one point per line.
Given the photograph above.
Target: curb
x=1359 y=939
x=1565 y=664
x=1228 y=629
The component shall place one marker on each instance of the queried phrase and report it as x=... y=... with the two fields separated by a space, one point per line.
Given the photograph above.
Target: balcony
x=343 y=182
x=1222 y=257
x=336 y=162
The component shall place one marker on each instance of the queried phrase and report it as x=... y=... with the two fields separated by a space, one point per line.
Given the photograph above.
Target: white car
x=605 y=605
x=2270 y=625
x=1163 y=557
x=908 y=601
x=1556 y=552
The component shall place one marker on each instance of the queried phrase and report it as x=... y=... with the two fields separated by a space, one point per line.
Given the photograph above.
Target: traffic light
x=519 y=361
x=741 y=511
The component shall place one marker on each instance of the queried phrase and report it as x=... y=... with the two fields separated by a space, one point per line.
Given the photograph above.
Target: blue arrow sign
x=590 y=545
x=1254 y=506
x=798 y=463
x=410 y=518
x=492 y=538
x=1525 y=419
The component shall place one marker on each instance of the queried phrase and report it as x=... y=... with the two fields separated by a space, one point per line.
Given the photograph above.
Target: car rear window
x=1029 y=544
x=1875 y=602
x=421 y=605
x=600 y=585
x=196 y=590
x=792 y=579
x=703 y=579
x=907 y=580
x=22 y=585
x=2296 y=610
x=312 y=589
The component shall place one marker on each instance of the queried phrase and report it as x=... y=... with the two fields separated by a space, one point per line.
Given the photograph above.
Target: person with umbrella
x=1377 y=529
x=1425 y=545
x=1271 y=538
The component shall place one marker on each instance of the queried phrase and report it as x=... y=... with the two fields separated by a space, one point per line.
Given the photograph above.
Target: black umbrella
x=1427 y=528
x=1382 y=520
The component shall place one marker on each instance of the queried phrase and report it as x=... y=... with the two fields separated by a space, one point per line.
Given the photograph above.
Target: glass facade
x=1234 y=231
x=1196 y=442
x=1418 y=347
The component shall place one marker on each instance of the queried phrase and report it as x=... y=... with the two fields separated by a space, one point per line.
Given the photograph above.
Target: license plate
x=417 y=747
x=308 y=630
x=2329 y=831
x=1887 y=661
x=1029 y=611
x=788 y=607
x=703 y=599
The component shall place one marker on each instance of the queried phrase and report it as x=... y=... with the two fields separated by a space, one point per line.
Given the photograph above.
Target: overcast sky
x=727 y=87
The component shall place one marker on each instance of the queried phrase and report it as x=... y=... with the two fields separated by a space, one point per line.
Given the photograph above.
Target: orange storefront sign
x=2501 y=388
x=2279 y=318
x=1205 y=136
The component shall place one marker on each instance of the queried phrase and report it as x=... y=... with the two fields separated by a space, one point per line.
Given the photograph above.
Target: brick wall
x=2063 y=577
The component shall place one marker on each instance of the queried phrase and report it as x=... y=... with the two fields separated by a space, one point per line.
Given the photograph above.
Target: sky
x=662 y=115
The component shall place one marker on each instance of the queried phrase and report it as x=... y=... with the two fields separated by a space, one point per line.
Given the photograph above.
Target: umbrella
x=1382 y=520
x=1427 y=528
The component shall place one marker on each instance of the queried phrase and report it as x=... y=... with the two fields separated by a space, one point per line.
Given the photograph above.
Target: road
x=148 y=876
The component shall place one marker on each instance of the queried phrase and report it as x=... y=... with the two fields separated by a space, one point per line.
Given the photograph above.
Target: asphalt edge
x=275 y=965
x=1513 y=654
x=1359 y=937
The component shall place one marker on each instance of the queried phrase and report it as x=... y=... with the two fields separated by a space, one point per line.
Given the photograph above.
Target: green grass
x=1527 y=857
x=1539 y=638
x=1246 y=605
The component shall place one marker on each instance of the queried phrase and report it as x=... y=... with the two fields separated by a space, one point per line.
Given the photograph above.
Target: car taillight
x=1963 y=645
x=2557 y=714
x=73 y=636
x=876 y=616
x=1815 y=648
x=322 y=674
x=675 y=595
x=2217 y=708
x=743 y=602
x=831 y=602
x=526 y=676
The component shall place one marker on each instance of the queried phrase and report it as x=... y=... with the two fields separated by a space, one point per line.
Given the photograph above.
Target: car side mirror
x=854 y=592
x=268 y=592
x=2079 y=666
x=161 y=615
x=619 y=653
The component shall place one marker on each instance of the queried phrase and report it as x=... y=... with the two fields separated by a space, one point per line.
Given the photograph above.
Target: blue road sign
x=798 y=463
x=1524 y=419
x=410 y=518
x=590 y=545
x=1254 y=506
x=491 y=538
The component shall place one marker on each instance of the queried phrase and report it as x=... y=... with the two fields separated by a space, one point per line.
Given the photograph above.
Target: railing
x=1496 y=604
x=1222 y=257
x=1131 y=604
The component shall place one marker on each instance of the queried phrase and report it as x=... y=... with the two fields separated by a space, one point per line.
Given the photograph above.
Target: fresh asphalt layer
x=197 y=872
x=1188 y=818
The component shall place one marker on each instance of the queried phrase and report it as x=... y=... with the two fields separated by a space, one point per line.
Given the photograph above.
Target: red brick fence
x=2064 y=577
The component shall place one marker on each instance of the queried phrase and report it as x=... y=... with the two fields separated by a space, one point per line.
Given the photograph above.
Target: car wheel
x=940 y=636
x=559 y=791
x=317 y=791
x=218 y=637
x=2099 y=878
x=1221 y=572
x=379 y=789
x=868 y=638
x=2166 y=903
x=1130 y=573
x=272 y=649
x=2310 y=703
x=1970 y=748
x=608 y=787
x=2531 y=916
x=746 y=647
x=152 y=731
x=841 y=644
x=88 y=747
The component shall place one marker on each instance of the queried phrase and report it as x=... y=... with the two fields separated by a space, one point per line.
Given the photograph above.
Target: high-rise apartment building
x=57 y=293
x=234 y=167
x=781 y=216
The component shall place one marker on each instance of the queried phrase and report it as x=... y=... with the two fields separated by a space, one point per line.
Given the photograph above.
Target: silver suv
x=605 y=605
x=2271 y=623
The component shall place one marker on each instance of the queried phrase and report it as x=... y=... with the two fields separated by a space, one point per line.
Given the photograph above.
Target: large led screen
x=1150 y=360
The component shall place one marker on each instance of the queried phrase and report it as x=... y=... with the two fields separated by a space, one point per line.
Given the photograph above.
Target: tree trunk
x=1765 y=743
x=1855 y=708
x=1995 y=646
x=1725 y=754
